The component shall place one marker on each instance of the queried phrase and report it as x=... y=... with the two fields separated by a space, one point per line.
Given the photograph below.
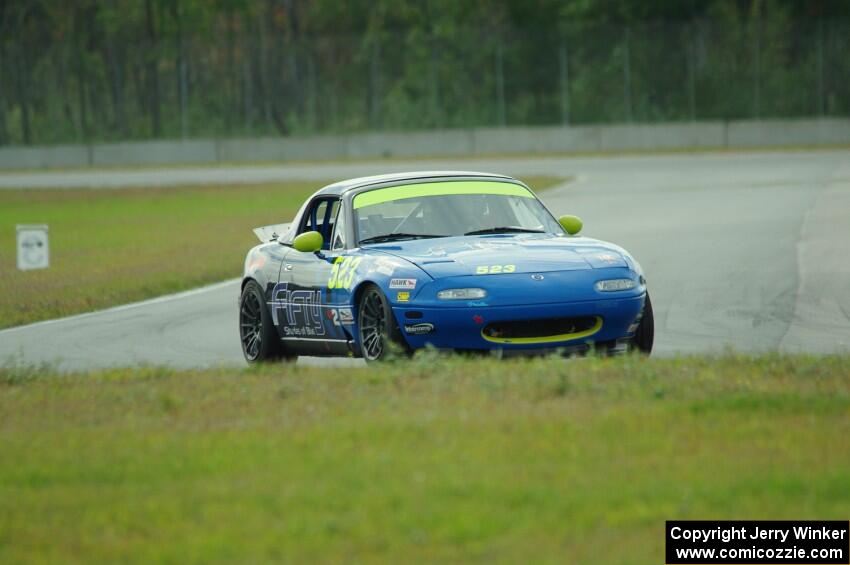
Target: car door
x=308 y=309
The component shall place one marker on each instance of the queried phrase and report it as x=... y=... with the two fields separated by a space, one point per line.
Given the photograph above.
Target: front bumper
x=461 y=328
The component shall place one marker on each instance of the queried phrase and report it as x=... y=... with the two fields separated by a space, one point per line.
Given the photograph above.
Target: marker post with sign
x=33 y=249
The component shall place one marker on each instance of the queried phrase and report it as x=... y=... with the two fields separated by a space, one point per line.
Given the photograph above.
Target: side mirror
x=308 y=242
x=572 y=224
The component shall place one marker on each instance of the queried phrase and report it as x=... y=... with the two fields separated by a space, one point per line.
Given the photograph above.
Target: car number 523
x=494 y=269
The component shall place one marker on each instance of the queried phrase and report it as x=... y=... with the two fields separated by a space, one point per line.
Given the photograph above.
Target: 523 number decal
x=494 y=269
x=342 y=272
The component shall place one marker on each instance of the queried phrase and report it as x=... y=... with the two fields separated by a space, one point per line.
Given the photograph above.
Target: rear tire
x=645 y=334
x=257 y=334
x=380 y=336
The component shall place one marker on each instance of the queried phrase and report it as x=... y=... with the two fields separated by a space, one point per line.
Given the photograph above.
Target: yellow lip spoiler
x=548 y=338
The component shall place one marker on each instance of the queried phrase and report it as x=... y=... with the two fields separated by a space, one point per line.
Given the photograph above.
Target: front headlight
x=462 y=294
x=614 y=285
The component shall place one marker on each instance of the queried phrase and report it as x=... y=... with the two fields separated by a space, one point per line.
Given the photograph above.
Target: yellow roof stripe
x=379 y=195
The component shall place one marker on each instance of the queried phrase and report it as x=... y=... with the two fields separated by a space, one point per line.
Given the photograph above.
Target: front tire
x=380 y=337
x=259 y=338
x=645 y=334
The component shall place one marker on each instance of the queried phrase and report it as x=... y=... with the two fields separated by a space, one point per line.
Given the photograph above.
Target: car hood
x=525 y=253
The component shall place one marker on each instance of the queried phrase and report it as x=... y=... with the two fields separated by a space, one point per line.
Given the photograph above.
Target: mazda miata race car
x=458 y=261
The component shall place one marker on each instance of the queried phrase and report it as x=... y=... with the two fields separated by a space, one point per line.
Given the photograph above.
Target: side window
x=339 y=230
x=320 y=217
x=314 y=217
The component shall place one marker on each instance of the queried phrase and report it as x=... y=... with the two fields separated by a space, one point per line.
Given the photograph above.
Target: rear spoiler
x=271 y=233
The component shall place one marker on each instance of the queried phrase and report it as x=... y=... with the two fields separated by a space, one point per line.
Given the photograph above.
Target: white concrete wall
x=456 y=142
x=45 y=157
x=281 y=148
x=153 y=153
x=788 y=132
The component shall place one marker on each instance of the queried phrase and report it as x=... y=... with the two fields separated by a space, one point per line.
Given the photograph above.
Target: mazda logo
x=537 y=277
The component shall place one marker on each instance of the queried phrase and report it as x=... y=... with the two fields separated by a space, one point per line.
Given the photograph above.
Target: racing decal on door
x=343 y=271
x=298 y=313
x=346 y=316
x=340 y=316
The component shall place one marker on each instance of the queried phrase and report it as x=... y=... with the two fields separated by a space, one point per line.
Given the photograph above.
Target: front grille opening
x=539 y=328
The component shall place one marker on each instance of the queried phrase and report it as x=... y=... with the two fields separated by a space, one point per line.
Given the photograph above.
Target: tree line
x=109 y=70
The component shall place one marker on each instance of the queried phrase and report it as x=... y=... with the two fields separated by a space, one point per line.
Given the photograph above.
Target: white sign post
x=33 y=251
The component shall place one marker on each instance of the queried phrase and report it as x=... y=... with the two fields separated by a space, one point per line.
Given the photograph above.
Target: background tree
x=106 y=70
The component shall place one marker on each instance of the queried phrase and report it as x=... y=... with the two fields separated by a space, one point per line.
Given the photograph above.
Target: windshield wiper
x=503 y=229
x=397 y=237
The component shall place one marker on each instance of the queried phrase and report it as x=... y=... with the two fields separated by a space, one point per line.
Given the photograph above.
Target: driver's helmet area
x=458 y=214
x=441 y=215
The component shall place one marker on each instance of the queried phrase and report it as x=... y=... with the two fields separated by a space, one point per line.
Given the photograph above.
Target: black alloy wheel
x=645 y=334
x=380 y=337
x=251 y=326
x=259 y=338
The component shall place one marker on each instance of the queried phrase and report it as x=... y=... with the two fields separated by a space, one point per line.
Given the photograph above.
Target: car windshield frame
x=510 y=200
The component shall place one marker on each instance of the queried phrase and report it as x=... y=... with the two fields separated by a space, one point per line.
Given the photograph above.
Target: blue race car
x=457 y=261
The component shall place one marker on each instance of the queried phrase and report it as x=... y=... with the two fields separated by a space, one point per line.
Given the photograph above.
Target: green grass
x=111 y=247
x=438 y=459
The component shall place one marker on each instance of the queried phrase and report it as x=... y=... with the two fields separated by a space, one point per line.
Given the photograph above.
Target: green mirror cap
x=572 y=224
x=308 y=242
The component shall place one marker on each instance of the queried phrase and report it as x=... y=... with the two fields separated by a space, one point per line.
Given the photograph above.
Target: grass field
x=116 y=246
x=438 y=459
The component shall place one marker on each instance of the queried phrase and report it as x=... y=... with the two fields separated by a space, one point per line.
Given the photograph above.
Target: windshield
x=449 y=209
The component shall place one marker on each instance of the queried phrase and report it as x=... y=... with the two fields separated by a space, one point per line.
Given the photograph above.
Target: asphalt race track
x=742 y=250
